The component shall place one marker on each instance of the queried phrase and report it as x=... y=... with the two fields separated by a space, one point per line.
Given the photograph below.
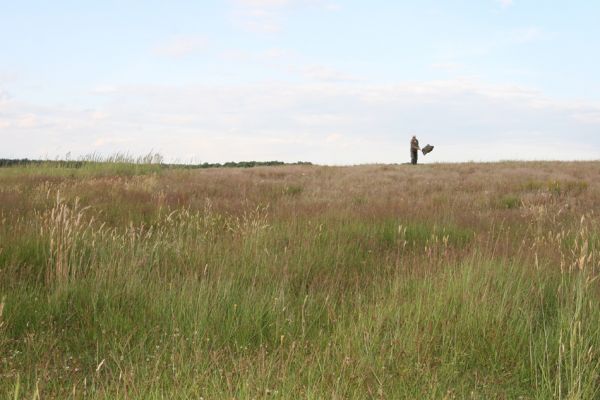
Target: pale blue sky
x=328 y=81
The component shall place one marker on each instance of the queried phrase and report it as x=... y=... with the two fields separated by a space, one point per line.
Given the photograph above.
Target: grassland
x=473 y=281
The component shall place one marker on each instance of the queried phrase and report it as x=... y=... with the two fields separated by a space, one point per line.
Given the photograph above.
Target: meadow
x=441 y=281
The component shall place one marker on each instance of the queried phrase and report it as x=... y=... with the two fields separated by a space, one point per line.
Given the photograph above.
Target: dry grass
x=379 y=281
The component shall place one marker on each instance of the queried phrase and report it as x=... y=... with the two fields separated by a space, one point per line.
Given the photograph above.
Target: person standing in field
x=414 y=150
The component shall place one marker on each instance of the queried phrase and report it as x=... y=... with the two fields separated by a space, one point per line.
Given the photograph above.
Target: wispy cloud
x=4 y=96
x=267 y=16
x=484 y=45
x=263 y=16
x=273 y=54
x=505 y=3
x=326 y=74
x=447 y=66
x=292 y=63
x=180 y=46
x=104 y=89
x=526 y=35
x=8 y=76
x=264 y=3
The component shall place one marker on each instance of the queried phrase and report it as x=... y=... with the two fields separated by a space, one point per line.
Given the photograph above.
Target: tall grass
x=118 y=164
x=183 y=290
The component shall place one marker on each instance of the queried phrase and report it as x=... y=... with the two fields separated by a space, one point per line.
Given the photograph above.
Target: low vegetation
x=133 y=165
x=138 y=281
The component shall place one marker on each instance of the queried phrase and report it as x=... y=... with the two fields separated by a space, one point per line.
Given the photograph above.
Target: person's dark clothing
x=414 y=151
x=414 y=156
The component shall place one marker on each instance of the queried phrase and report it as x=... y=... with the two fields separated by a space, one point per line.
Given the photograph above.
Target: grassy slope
x=436 y=281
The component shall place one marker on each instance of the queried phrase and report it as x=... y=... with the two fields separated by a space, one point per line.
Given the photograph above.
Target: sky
x=336 y=82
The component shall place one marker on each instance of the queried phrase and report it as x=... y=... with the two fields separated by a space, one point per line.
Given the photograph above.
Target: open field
x=473 y=281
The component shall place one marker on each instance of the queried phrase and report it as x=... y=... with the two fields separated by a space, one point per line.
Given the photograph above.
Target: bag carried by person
x=427 y=149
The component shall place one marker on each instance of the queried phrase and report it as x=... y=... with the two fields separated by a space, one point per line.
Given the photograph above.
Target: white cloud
x=180 y=46
x=447 y=66
x=103 y=141
x=465 y=120
x=99 y=115
x=262 y=16
x=332 y=6
x=8 y=76
x=27 y=121
x=264 y=3
x=267 y=16
x=4 y=97
x=326 y=74
x=450 y=52
x=290 y=63
x=505 y=3
x=526 y=35
x=273 y=56
x=104 y=89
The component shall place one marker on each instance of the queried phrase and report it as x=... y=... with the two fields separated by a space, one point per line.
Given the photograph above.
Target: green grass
x=557 y=187
x=297 y=299
x=510 y=202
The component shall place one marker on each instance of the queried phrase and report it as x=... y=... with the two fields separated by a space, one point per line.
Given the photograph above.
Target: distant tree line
x=232 y=164
x=4 y=162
